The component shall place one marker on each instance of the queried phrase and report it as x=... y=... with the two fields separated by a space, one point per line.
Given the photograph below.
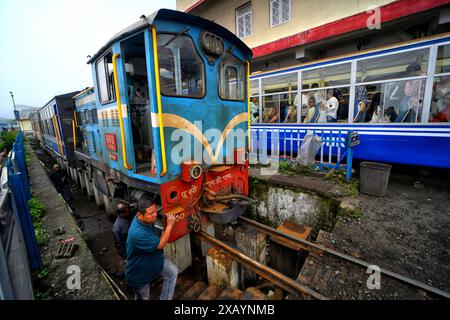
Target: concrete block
x=193 y=292
x=207 y=227
x=253 y=244
x=179 y=252
x=210 y=293
x=253 y=294
x=283 y=249
x=222 y=270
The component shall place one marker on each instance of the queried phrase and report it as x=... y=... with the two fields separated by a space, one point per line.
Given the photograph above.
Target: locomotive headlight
x=195 y=172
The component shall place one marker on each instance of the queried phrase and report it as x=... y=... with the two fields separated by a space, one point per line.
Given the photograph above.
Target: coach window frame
x=432 y=47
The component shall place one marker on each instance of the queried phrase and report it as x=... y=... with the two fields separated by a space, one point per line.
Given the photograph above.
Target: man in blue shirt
x=145 y=259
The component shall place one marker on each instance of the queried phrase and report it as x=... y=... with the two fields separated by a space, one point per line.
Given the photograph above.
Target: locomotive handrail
x=74 y=136
x=158 y=100
x=75 y=118
x=119 y=108
x=74 y=125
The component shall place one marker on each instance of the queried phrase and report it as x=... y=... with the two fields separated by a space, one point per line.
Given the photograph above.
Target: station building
x=372 y=51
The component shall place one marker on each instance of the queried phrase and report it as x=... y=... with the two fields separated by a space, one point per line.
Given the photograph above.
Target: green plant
x=46 y=295
x=37 y=212
x=42 y=274
x=351 y=188
x=292 y=168
x=7 y=139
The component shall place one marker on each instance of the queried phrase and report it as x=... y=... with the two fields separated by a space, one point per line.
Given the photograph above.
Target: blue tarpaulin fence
x=20 y=189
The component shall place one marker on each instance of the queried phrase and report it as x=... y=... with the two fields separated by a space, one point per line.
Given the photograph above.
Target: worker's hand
x=171 y=219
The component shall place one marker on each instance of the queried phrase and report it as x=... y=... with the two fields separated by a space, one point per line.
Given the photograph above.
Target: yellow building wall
x=25 y=125
x=305 y=14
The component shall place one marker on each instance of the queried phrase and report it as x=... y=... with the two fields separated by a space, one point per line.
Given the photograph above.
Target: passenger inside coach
x=444 y=114
x=332 y=105
x=313 y=111
x=389 y=115
x=270 y=114
x=440 y=105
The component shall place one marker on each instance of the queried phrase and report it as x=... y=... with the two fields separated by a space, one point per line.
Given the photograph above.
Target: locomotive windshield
x=181 y=69
x=231 y=78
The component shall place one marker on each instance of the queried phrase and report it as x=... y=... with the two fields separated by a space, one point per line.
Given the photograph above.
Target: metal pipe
x=321 y=249
x=119 y=109
x=158 y=100
x=264 y=271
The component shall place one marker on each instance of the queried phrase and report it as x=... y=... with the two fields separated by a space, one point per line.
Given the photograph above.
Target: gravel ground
x=407 y=232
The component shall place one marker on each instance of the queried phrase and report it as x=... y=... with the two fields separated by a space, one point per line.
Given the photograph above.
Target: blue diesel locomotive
x=167 y=119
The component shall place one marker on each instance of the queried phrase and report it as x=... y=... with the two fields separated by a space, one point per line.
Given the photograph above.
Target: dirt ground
x=407 y=232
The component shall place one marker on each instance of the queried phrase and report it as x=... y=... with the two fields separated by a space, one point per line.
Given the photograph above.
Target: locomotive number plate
x=110 y=141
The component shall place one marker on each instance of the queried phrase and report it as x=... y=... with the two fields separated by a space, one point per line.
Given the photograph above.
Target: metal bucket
x=374 y=178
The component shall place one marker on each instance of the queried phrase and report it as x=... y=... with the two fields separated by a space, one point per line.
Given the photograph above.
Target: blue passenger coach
x=397 y=98
x=53 y=126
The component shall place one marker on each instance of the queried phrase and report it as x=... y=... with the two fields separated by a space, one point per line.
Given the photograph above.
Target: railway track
x=289 y=284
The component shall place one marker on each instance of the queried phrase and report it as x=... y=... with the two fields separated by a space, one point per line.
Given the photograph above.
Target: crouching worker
x=145 y=258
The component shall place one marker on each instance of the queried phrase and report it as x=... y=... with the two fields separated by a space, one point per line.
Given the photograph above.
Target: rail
x=321 y=249
x=264 y=271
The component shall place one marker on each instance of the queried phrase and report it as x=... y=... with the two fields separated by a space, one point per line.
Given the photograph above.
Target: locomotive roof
x=176 y=16
x=60 y=96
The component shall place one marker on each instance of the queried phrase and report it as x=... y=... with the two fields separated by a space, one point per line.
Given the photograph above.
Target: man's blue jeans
x=169 y=274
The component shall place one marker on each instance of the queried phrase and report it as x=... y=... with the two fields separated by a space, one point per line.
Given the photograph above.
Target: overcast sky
x=44 y=44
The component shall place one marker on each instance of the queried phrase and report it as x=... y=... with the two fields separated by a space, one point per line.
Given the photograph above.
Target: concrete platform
x=307 y=183
x=93 y=285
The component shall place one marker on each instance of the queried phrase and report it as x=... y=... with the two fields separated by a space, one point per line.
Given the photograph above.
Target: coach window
x=440 y=102
x=271 y=108
x=181 y=69
x=254 y=101
x=281 y=91
x=390 y=89
x=325 y=94
x=105 y=79
x=232 y=76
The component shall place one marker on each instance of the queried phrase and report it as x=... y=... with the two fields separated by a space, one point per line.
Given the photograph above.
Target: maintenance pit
x=377 y=230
